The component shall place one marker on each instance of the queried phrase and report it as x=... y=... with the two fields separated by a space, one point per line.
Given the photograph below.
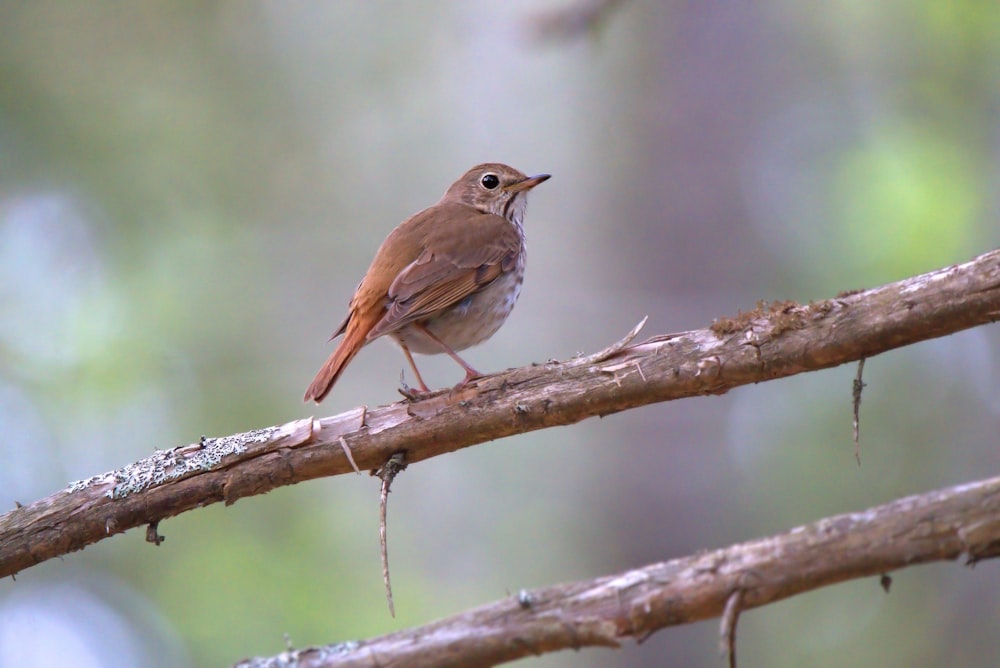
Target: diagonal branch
x=936 y=526
x=772 y=341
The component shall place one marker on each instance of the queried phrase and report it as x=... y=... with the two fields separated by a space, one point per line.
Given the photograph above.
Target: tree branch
x=769 y=342
x=936 y=526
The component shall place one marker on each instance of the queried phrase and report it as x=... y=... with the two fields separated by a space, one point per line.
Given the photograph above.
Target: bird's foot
x=412 y=393
x=470 y=375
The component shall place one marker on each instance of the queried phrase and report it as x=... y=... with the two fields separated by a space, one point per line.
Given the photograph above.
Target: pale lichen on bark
x=172 y=464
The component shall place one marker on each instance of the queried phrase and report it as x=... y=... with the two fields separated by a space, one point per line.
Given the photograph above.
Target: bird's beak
x=528 y=183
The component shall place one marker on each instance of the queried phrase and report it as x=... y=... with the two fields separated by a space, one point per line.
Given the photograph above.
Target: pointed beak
x=528 y=183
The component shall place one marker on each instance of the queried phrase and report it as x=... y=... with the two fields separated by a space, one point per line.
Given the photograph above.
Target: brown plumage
x=445 y=279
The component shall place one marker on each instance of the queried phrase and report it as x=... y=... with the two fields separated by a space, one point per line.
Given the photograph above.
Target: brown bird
x=445 y=279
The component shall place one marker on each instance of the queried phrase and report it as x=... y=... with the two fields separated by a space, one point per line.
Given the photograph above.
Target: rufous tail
x=353 y=341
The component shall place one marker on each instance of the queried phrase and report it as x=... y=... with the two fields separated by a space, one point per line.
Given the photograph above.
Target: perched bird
x=445 y=279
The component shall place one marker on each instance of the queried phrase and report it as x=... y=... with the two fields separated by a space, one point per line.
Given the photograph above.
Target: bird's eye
x=490 y=181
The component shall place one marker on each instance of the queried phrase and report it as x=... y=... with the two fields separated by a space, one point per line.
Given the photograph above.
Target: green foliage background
x=189 y=193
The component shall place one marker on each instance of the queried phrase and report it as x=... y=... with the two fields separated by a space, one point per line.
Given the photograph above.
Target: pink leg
x=470 y=373
x=413 y=365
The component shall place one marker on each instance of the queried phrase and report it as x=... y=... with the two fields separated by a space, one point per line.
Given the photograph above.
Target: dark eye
x=490 y=181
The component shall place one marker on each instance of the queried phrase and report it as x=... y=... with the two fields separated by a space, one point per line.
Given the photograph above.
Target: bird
x=445 y=279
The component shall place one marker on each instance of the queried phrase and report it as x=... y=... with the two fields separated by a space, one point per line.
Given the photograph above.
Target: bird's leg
x=413 y=365
x=470 y=373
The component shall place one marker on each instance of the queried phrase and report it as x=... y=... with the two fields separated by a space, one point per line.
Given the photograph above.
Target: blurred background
x=190 y=192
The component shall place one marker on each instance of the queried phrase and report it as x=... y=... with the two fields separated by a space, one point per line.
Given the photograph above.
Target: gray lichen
x=293 y=658
x=165 y=465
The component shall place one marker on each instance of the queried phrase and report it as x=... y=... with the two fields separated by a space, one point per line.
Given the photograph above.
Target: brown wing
x=463 y=253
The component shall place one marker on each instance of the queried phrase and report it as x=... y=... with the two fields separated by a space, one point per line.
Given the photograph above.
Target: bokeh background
x=189 y=193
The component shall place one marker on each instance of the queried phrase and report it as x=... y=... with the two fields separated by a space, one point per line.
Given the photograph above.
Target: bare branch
x=770 y=342
x=936 y=526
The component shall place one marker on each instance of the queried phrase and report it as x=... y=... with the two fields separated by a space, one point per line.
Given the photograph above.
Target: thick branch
x=936 y=526
x=771 y=342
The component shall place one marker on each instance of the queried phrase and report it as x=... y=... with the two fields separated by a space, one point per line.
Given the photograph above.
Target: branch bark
x=772 y=341
x=936 y=526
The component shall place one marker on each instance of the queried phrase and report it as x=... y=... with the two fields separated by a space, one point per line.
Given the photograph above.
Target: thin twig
x=153 y=535
x=347 y=452
x=859 y=385
x=615 y=347
x=727 y=626
x=387 y=473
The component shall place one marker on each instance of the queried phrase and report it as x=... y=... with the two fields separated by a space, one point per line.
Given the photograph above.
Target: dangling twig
x=727 y=626
x=387 y=473
x=153 y=535
x=859 y=385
